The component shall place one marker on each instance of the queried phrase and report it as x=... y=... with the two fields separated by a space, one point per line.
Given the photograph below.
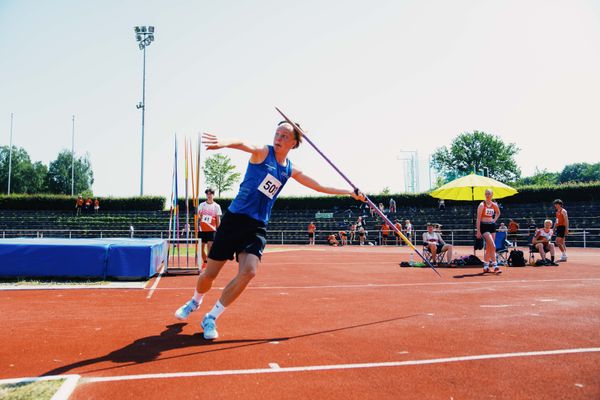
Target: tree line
x=489 y=155
x=28 y=177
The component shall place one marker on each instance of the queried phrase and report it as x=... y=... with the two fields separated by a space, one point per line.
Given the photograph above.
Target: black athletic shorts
x=560 y=231
x=207 y=236
x=487 y=227
x=311 y=235
x=438 y=247
x=238 y=233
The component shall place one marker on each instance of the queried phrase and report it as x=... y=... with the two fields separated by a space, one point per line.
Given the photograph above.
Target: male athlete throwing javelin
x=243 y=227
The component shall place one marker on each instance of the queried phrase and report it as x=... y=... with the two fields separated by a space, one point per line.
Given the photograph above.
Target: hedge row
x=61 y=202
x=527 y=194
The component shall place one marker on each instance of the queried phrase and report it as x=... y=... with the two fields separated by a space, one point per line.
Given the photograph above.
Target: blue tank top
x=261 y=186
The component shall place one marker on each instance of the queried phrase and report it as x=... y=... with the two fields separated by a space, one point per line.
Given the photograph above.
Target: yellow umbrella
x=472 y=187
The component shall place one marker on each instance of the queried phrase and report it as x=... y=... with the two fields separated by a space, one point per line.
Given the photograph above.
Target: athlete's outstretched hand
x=212 y=142
x=358 y=195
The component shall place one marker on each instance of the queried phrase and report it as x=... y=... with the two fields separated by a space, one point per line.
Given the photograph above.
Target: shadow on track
x=150 y=348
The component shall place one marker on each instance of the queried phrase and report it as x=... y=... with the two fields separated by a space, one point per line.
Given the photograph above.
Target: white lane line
x=338 y=366
x=383 y=285
x=274 y=366
x=153 y=288
x=62 y=393
x=496 y=305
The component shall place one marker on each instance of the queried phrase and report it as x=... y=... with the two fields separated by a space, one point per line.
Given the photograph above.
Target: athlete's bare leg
x=247 y=270
x=208 y=275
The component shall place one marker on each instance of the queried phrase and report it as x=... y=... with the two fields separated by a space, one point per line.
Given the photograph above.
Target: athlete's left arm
x=566 y=221
x=309 y=182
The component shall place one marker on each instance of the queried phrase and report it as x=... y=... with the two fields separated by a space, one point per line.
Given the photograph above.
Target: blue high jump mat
x=128 y=259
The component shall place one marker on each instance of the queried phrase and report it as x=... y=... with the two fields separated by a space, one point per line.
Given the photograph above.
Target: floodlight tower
x=144 y=36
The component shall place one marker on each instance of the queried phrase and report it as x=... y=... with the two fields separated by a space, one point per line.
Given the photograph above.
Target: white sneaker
x=184 y=311
x=209 y=326
x=563 y=258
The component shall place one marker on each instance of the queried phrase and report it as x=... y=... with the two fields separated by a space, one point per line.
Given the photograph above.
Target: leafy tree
x=386 y=191
x=25 y=177
x=220 y=173
x=59 y=174
x=580 y=172
x=540 y=177
x=477 y=151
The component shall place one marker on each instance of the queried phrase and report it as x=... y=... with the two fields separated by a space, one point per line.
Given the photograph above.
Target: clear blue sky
x=367 y=80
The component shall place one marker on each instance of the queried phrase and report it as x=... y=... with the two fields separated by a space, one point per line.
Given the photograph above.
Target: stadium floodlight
x=144 y=35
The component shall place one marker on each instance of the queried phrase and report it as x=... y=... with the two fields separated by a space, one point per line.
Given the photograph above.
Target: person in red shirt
x=78 y=205
x=398 y=225
x=311 y=233
x=209 y=217
x=343 y=238
x=488 y=213
x=562 y=228
x=385 y=231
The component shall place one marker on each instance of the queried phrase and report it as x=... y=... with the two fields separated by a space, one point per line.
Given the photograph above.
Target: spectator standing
x=408 y=230
x=209 y=218
x=88 y=205
x=562 y=228
x=392 y=206
x=488 y=213
x=343 y=238
x=311 y=233
x=96 y=205
x=78 y=205
x=513 y=231
x=385 y=231
x=398 y=226
x=352 y=232
x=441 y=205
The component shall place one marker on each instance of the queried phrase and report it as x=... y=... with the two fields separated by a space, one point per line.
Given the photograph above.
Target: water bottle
x=411 y=262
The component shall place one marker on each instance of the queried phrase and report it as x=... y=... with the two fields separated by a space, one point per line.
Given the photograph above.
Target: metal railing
x=588 y=237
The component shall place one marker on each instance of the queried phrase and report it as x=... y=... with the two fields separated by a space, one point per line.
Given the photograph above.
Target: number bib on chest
x=207 y=219
x=489 y=212
x=269 y=186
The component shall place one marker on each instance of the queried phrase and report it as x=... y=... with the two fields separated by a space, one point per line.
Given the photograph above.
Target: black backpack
x=516 y=259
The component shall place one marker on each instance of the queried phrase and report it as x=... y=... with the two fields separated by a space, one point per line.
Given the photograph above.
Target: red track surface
x=323 y=307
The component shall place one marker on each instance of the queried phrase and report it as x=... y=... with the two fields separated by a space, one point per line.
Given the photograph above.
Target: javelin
x=367 y=200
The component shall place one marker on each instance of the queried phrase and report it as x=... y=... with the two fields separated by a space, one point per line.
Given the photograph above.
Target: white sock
x=217 y=310
x=198 y=296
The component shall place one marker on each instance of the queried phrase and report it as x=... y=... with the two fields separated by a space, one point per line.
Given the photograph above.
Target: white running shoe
x=184 y=311
x=209 y=326
x=563 y=258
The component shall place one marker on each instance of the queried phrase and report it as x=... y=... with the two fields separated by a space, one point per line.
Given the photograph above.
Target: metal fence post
x=452 y=237
x=584 y=239
x=70 y=236
x=281 y=237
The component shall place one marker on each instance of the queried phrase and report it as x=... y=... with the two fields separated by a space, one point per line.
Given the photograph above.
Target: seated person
x=331 y=240
x=542 y=241
x=434 y=242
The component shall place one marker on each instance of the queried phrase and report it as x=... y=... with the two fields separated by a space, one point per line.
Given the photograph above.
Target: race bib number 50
x=269 y=186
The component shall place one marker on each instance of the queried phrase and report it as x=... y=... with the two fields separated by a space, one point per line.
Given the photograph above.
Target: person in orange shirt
x=398 y=226
x=385 y=231
x=78 y=205
x=562 y=228
x=96 y=205
x=513 y=231
x=88 y=205
x=343 y=238
x=311 y=233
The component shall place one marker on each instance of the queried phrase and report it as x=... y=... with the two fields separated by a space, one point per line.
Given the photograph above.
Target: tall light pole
x=144 y=36
x=73 y=157
x=413 y=165
x=10 y=151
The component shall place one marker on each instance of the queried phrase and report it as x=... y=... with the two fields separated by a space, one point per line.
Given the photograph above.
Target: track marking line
x=274 y=366
x=497 y=305
x=339 y=366
x=154 y=286
x=63 y=392
x=383 y=285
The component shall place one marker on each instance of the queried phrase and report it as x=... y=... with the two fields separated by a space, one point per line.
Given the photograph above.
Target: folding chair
x=501 y=248
x=439 y=257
